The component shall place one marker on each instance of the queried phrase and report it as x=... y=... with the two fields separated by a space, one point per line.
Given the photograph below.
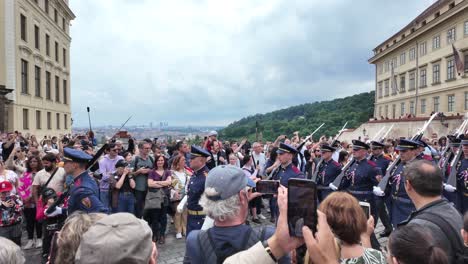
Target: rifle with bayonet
x=451 y=184
x=335 y=139
x=380 y=189
x=299 y=148
x=335 y=185
x=447 y=152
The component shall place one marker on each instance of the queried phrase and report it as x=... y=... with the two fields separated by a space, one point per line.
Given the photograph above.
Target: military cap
x=196 y=152
x=376 y=144
x=76 y=155
x=226 y=180
x=326 y=147
x=358 y=144
x=422 y=143
x=121 y=163
x=285 y=148
x=406 y=144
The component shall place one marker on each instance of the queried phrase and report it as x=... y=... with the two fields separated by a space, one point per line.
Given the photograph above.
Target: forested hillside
x=305 y=118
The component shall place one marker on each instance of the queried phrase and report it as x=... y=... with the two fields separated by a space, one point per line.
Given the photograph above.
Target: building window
x=387 y=66
x=63 y=23
x=55 y=15
x=24 y=76
x=450 y=69
x=57 y=120
x=24 y=28
x=423 y=48
x=436 y=73
x=47 y=84
x=37 y=81
x=423 y=82
x=451 y=37
x=465 y=28
x=380 y=90
x=65 y=94
x=436 y=103
x=64 y=53
x=38 y=119
x=394 y=63
x=380 y=111
x=411 y=107
x=451 y=103
x=25 y=118
x=436 y=42
x=423 y=106
x=403 y=58
x=412 y=81
x=47 y=44
x=57 y=89
x=65 y=121
x=466 y=100
x=37 y=39
x=56 y=51
x=393 y=111
x=402 y=83
x=412 y=54
x=46 y=6
x=387 y=87
x=49 y=120
x=402 y=109
x=466 y=62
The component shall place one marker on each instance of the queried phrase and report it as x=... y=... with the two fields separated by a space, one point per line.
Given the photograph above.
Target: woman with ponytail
x=413 y=244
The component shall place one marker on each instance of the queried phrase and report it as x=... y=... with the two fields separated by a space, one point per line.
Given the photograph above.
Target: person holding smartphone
x=11 y=209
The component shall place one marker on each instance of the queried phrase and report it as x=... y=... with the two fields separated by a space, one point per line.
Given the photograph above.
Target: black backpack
x=459 y=256
x=211 y=255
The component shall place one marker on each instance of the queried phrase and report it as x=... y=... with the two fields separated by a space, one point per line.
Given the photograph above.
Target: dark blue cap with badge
x=76 y=155
x=285 y=148
x=358 y=144
x=421 y=143
x=376 y=144
x=326 y=147
x=196 y=152
x=406 y=144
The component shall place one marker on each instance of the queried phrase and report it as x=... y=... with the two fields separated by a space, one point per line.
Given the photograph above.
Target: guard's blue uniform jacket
x=288 y=172
x=462 y=186
x=327 y=172
x=360 y=179
x=401 y=204
x=84 y=195
x=382 y=162
x=195 y=189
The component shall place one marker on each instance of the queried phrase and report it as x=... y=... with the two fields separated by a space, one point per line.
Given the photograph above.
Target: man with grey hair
x=226 y=200
x=424 y=185
x=10 y=252
x=141 y=164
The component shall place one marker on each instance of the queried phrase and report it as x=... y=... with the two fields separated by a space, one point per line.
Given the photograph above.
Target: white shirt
x=57 y=182
x=261 y=159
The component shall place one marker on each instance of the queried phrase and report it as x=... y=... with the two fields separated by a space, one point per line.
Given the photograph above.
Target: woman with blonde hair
x=69 y=237
x=180 y=179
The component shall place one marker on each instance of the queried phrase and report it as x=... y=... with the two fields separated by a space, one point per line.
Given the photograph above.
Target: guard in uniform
x=284 y=172
x=382 y=162
x=401 y=204
x=196 y=187
x=328 y=169
x=361 y=176
x=462 y=179
x=444 y=165
x=84 y=191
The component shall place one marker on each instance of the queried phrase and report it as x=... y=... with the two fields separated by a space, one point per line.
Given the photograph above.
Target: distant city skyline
x=214 y=62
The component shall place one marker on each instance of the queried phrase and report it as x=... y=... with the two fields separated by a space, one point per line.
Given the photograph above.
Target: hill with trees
x=305 y=118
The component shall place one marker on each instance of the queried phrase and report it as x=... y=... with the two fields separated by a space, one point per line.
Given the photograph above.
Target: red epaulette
x=373 y=164
x=427 y=157
x=334 y=162
x=189 y=169
x=388 y=157
x=295 y=169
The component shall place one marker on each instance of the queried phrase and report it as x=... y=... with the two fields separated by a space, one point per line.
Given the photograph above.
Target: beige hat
x=117 y=238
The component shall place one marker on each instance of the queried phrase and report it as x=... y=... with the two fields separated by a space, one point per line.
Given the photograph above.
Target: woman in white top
x=180 y=178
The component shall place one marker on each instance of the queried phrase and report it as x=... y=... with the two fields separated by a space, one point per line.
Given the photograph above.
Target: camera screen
x=267 y=187
x=302 y=206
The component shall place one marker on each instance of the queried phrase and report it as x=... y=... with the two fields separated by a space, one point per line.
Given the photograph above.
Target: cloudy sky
x=210 y=62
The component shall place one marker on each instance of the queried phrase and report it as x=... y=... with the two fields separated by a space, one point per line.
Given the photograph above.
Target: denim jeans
x=126 y=203
x=104 y=197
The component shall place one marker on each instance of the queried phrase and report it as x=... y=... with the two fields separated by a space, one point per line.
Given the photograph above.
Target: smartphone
x=366 y=208
x=53 y=248
x=302 y=206
x=267 y=187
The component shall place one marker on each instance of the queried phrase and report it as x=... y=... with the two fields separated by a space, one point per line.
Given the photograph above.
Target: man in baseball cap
x=119 y=238
x=226 y=200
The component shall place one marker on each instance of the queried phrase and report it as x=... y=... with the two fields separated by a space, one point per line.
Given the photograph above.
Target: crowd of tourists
x=82 y=203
